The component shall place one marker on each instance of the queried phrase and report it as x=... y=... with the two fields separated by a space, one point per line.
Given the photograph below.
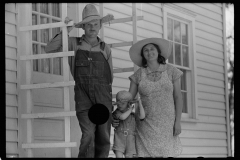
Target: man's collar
x=83 y=38
x=161 y=68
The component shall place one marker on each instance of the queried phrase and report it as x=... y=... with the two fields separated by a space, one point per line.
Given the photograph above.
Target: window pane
x=34 y=22
x=170 y=29
x=185 y=56
x=177 y=31
x=44 y=8
x=177 y=54
x=55 y=9
x=184 y=97
x=44 y=32
x=55 y=30
x=34 y=6
x=45 y=63
x=183 y=80
x=35 y=61
x=170 y=59
x=57 y=66
x=184 y=33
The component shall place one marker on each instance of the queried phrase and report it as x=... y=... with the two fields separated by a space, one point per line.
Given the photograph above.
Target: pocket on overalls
x=98 y=68
x=83 y=67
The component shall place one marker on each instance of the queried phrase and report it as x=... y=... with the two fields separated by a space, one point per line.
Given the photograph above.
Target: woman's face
x=150 y=53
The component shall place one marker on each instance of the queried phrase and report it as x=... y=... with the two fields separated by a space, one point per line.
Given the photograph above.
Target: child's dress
x=124 y=134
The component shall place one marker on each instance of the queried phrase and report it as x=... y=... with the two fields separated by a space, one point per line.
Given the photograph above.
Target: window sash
x=42 y=14
x=180 y=57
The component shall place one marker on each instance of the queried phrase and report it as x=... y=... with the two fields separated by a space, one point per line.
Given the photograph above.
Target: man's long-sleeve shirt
x=55 y=45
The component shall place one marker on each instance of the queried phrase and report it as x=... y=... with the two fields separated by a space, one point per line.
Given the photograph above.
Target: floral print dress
x=154 y=135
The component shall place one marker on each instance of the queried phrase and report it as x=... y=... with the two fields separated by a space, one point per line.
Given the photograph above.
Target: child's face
x=122 y=105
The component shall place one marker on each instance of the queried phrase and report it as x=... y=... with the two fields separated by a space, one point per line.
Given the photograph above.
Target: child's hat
x=123 y=96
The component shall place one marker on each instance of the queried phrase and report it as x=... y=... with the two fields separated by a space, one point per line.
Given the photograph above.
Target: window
x=178 y=28
x=43 y=13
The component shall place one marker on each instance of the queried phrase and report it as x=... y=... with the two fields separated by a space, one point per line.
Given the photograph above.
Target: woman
x=158 y=85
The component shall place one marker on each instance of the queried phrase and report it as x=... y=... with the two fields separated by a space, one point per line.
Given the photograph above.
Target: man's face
x=92 y=28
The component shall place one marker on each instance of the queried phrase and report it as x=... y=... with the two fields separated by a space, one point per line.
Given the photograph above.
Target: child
x=124 y=133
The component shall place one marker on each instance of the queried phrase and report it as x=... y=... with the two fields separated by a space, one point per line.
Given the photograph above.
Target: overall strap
x=102 y=45
x=78 y=40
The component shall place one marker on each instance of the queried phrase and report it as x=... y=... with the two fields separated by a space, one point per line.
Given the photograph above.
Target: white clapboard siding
x=11 y=53
x=203 y=134
x=204 y=127
x=209 y=29
x=211 y=104
x=209 y=51
x=210 y=74
x=206 y=43
x=12 y=148
x=211 y=89
x=204 y=15
x=202 y=155
x=209 y=133
x=121 y=82
x=188 y=142
x=11 y=64
x=211 y=119
x=209 y=66
x=11 y=112
x=211 y=112
x=211 y=7
x=11 y=124
x=11 y=76
x=11 y=136
x=209 y=36
x=11 y=88
x=11 y=80
x=204 y=150
x=210 y=81
x=210 y=59
x=210 y=96
x=121 y=54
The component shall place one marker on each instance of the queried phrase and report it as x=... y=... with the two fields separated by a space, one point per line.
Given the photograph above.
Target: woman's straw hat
x=135 y=51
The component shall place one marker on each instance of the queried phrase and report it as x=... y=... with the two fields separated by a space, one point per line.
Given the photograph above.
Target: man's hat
x=135 y=51
x=90 y=13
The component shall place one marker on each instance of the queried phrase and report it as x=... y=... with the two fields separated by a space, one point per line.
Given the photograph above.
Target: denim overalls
x=92 y=85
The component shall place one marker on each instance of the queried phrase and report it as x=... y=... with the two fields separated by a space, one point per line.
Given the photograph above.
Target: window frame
x=39 y=43
x=181 y=14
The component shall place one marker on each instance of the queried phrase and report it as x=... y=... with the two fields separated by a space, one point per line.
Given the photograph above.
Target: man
x=91 y=68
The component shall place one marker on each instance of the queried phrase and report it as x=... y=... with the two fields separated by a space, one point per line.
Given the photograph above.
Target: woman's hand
x=177 y=128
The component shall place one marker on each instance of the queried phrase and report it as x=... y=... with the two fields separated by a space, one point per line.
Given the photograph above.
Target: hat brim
x=104 y=19
x=135 y=51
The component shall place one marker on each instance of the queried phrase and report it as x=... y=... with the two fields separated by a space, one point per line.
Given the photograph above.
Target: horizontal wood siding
x=11 y=80
x=208 y=136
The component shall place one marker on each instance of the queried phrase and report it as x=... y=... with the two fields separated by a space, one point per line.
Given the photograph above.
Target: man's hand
x=66 y=21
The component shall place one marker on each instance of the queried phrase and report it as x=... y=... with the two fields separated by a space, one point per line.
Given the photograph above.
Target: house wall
x=11 y=80
x=208 y=136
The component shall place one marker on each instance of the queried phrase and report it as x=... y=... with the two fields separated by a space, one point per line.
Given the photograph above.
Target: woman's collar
x=161 y=68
